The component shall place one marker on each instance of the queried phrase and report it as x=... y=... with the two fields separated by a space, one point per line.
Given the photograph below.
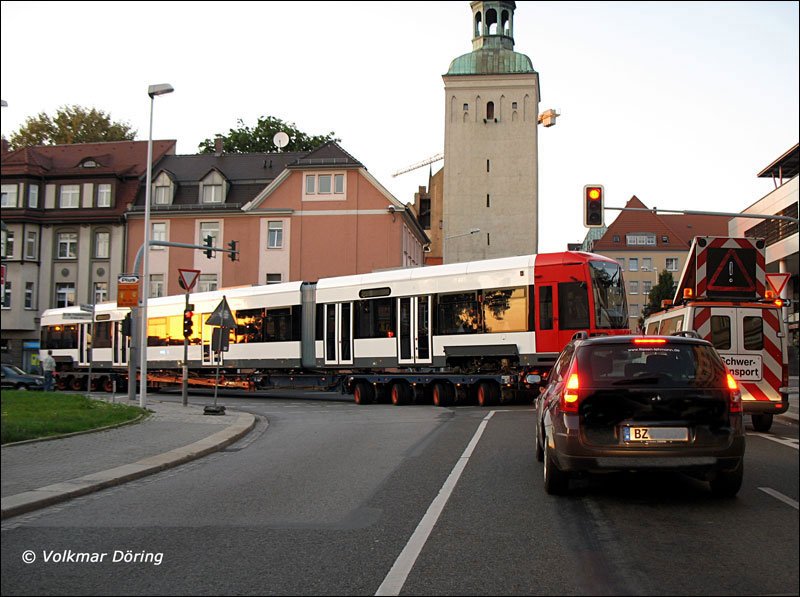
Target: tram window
x=60 y=336
x=320 y=323
x=297 y=322
x=753 y=329
x=249 y=326
x=721 y=332
x=279 y=325
x=157 y=331
x=546 y=308
x=374 y=319
x=505 y=310
x=101 y=334
x=458 y=314
x=573 y=306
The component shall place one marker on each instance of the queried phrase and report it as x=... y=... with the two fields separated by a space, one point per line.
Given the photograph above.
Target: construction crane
x=547 y=118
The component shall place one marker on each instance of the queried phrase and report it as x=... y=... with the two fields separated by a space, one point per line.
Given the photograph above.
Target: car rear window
x=664 y=365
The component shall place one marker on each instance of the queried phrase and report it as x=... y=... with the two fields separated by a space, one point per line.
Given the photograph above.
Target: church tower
x=490 y=143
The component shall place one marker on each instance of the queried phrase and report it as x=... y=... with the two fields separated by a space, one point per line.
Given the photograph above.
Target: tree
x=664 y=290
x=259 y=138
x=71 y=124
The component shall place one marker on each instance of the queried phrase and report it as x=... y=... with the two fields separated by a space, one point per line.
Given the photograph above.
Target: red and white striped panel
x=768 y=389
x=729 y=243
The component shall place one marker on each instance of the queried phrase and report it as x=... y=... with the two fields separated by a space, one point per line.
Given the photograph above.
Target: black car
x=621 y=403
x=14 y=377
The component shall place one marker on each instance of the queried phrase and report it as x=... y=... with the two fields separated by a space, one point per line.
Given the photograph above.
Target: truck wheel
x=76 y=384
x=726 y=483
x=556 y=481
x=400 y=393
x=487 y=393
x=108 y=384
x=363 y=393
x=443 y=394
x=762 y=423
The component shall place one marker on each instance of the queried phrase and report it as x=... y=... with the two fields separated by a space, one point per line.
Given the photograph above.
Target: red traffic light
x=593 y=206
x=188 y=314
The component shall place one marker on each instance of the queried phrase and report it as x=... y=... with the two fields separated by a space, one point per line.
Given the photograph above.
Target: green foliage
x=664 y=290
x=30 y=415
x=258 y=139
x=71 y=124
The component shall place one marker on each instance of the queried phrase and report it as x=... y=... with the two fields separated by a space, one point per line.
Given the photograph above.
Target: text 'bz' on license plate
x=655 y=434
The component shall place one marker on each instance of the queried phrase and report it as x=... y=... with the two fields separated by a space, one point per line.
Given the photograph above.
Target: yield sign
x=188 y=278
x=778 y=281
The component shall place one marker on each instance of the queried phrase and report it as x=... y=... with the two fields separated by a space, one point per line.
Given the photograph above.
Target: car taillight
x=735 y=401
x=569 y=399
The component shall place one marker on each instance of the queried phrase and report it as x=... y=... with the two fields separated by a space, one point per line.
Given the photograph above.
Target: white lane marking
x=779 y=496
x=784 y=441
x=394 y=581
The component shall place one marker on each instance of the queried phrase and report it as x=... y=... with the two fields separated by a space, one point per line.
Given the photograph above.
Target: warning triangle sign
x=729 y=274
x=222 y=316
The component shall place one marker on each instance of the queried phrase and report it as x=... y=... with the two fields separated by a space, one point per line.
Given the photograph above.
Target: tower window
x=490 y=111
x=466 y=107
x=487 y=165
x=513 y=105
x=488 y=201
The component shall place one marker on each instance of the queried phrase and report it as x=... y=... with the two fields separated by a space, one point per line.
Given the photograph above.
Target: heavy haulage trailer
x=443 y=334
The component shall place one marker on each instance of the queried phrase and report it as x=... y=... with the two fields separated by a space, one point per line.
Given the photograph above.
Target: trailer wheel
x=76 y=384
x=443 y=394
x=61 y=383
x=488 y=393
x=762 y=422
x=108 y=385
x=363 y=393
x=401 y=393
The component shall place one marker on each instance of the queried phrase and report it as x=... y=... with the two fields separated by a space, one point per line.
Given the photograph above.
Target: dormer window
x=162 y=195
x=89 y=164
x=212 y=193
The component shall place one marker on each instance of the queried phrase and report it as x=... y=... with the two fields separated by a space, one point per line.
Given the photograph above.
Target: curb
x=35 y=499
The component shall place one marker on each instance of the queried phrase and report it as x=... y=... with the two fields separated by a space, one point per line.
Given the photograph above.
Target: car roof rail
x=582 y=335
x=686 y=334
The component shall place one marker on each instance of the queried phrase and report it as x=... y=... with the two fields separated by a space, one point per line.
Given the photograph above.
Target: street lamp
x=152 y=91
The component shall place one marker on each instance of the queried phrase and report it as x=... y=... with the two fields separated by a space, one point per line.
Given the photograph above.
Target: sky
x=680 y=104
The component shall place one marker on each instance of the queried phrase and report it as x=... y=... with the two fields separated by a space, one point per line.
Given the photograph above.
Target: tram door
x=339 y=334
x=120 y=344
x=84 y=339
x=210 y=357
x=414 y=330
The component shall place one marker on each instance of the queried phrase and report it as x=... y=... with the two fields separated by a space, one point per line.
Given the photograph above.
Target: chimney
x=218 y=145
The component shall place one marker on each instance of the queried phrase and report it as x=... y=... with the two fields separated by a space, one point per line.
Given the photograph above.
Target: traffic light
x=209 y=243
x=126 y=325
x=234 y=254
x=593 y=206
x=187 y=321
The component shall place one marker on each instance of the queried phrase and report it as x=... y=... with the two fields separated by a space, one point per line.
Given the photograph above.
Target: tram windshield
x=610 y=306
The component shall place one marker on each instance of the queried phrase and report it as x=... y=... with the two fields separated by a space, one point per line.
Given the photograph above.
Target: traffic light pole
x=185 y=378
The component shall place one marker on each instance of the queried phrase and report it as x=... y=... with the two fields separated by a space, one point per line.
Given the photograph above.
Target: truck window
x=652 y=328
x=671 y=325
x=721 y=332
x=753 y=333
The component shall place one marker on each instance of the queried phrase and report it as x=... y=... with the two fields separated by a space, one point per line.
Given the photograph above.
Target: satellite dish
x=280 y=140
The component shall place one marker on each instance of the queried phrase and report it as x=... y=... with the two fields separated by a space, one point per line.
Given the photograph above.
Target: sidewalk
x=42 y=473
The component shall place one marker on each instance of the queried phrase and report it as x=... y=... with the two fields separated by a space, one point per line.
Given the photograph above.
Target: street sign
x=78 y=316
x=188 y=278
x=222 y=316
x=128 y=290
x=778 y=282
x=86 y=308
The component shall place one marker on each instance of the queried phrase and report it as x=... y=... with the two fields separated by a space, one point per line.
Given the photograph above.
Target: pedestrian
x=49 y=368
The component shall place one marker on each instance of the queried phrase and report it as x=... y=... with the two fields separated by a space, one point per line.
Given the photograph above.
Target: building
x=491 y=153
x=428 y=209
x=781 y=236
x=64 y=236
x=294 y=216
x=646 y=244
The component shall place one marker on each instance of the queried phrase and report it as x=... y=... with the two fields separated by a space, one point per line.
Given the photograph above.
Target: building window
x=67 y=245
x=156 y=285
x=665 y=240
x=311 y=184
x=158 y=231
x=647 y=286
x=33 y=196
x=100 y=292
x=162 y=196
x=275 y=235
x=513 y=105
x=647 y=264
x=212 y=193
x=324 y=181
x=9 y=195
x=274 y=278
x=101 y=244
x=207 y=283
x=7 y=295
x=633 y=287
x=633 y=264
x=672 y=264
x=104 y=195
x=8 y=245
x=30 y=244
x=70 y=196
x=621 y=261
x=634 y=311
x=209 y=229
x=65 y=294
x=466 y=107
x=29 y=297
x=325 y=184
x=338 y=184
x=616 y=238
x=640 y=238
x=490 y=111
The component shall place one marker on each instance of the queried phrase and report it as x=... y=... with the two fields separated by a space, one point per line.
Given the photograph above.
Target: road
x=326 y=498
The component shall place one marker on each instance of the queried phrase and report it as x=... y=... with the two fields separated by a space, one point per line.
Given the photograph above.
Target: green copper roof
x=491 y=61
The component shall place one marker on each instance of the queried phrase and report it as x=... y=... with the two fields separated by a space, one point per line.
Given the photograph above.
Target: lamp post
x=152 y=91
x=447 y=238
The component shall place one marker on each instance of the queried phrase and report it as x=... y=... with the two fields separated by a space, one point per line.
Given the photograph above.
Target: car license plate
x=655 y=434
